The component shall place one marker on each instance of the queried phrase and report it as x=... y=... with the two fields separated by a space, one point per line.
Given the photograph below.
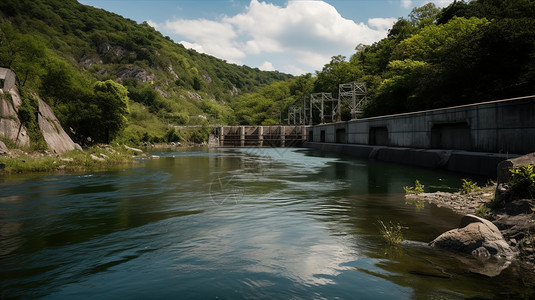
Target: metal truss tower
x=295 y=115
x=328 y=107
x=352 y=95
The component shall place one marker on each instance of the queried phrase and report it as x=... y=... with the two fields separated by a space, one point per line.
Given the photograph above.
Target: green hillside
x=60 y=49
x=468 y=52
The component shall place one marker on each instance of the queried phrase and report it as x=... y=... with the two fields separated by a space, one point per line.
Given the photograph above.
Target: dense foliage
x=60 y=49
x=465 y=53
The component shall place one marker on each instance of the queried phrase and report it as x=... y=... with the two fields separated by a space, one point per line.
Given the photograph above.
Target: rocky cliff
x=11 y=128
x=10 y=125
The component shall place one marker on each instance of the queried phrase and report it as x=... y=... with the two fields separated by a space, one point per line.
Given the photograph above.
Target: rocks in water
x=482 y=239
x=475 y=236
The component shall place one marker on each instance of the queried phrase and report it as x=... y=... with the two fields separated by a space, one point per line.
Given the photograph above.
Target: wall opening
x=378 y=136
x=451 y=136
x=310 y=135
x=341 y=136
x=322 y=136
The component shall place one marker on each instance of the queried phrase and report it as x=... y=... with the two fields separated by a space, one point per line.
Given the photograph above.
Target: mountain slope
x=60 y=48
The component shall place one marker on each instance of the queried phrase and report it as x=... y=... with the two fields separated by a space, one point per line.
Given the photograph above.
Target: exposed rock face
x=503 y=167
x=88 y=60
x=10 y=126
x=55 y=137
x=134 y=72
x=195 y=96
x=477 y=236
x=3 y=148
x=9 y=79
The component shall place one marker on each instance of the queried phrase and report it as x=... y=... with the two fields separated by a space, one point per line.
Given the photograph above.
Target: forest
x=111 y=79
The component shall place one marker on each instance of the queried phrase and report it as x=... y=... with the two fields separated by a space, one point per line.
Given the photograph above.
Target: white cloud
x=382 y=23
x=215 y=38
x=442 y=3
x=308 y=33
x=406 y=3
x=193 y=46
x=267 y=66
x=153 y=24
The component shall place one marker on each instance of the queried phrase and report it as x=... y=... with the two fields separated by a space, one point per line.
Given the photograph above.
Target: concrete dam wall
x=260 y=136
x=469 y=139
x=504 y=126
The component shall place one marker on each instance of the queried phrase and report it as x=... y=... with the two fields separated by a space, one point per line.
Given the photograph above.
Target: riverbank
x=515 y=219
x=98 y=157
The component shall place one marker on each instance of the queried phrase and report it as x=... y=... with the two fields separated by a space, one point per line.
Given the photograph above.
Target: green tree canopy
x=111 y=98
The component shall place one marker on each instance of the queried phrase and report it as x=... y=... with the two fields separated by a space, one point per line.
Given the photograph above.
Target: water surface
x=233 y=224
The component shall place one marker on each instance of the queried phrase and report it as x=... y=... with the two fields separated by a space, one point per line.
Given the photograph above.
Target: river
x=274 y=223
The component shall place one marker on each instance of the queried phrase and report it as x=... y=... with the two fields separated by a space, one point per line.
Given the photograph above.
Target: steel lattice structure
x=352 y=95
x=328 y=107
x=295 y=115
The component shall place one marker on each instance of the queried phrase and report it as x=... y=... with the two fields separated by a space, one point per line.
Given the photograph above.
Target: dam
x=470 y=138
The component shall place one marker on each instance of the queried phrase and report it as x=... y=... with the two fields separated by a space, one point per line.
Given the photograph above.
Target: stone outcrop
x=504 y=175
x=134 y=72
x=55 y=137
x=475 y=236
x=10 y=125
x=8 y=79
x=3 y=148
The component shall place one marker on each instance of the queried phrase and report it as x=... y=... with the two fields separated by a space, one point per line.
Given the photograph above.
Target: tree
x=424 y=15
x=111 y=98
x=21 y=52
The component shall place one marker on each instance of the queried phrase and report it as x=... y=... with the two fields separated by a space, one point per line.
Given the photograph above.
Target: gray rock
x=134 y=72
x=57 y=140
x=93 y=156
x=475 y=236
x=3 y=148
x=504 y=175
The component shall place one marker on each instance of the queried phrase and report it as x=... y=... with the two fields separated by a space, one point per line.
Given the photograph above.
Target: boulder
x=504 y=175
x=10 y=126
x=57 y=140
x=3 y=148
x=475 y=236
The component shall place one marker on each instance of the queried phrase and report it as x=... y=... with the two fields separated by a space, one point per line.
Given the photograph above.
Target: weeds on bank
x=418 y=188
x=391 y=232
x=523 y=181
x=69 y=161
x=483 y=212
x=468 y=187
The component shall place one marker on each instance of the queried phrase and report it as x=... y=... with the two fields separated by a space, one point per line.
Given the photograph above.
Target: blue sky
x=291 y=36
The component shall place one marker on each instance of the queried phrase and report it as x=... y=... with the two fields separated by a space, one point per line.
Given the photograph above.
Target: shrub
x=483 y=212
x=417 y=189
x=523 y=181
x=468 y=187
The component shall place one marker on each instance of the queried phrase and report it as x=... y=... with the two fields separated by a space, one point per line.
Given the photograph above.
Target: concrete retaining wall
x=477 y=163
x=504 y=126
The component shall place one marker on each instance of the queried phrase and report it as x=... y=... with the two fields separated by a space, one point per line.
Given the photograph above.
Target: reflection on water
x=233 y=223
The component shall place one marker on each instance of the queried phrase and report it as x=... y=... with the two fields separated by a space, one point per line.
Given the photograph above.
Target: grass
x=418 y=188
x=391 y=232
x=483 y=212
x=69 y=161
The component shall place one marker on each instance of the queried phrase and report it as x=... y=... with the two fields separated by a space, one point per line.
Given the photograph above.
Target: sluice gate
x=260 y=136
